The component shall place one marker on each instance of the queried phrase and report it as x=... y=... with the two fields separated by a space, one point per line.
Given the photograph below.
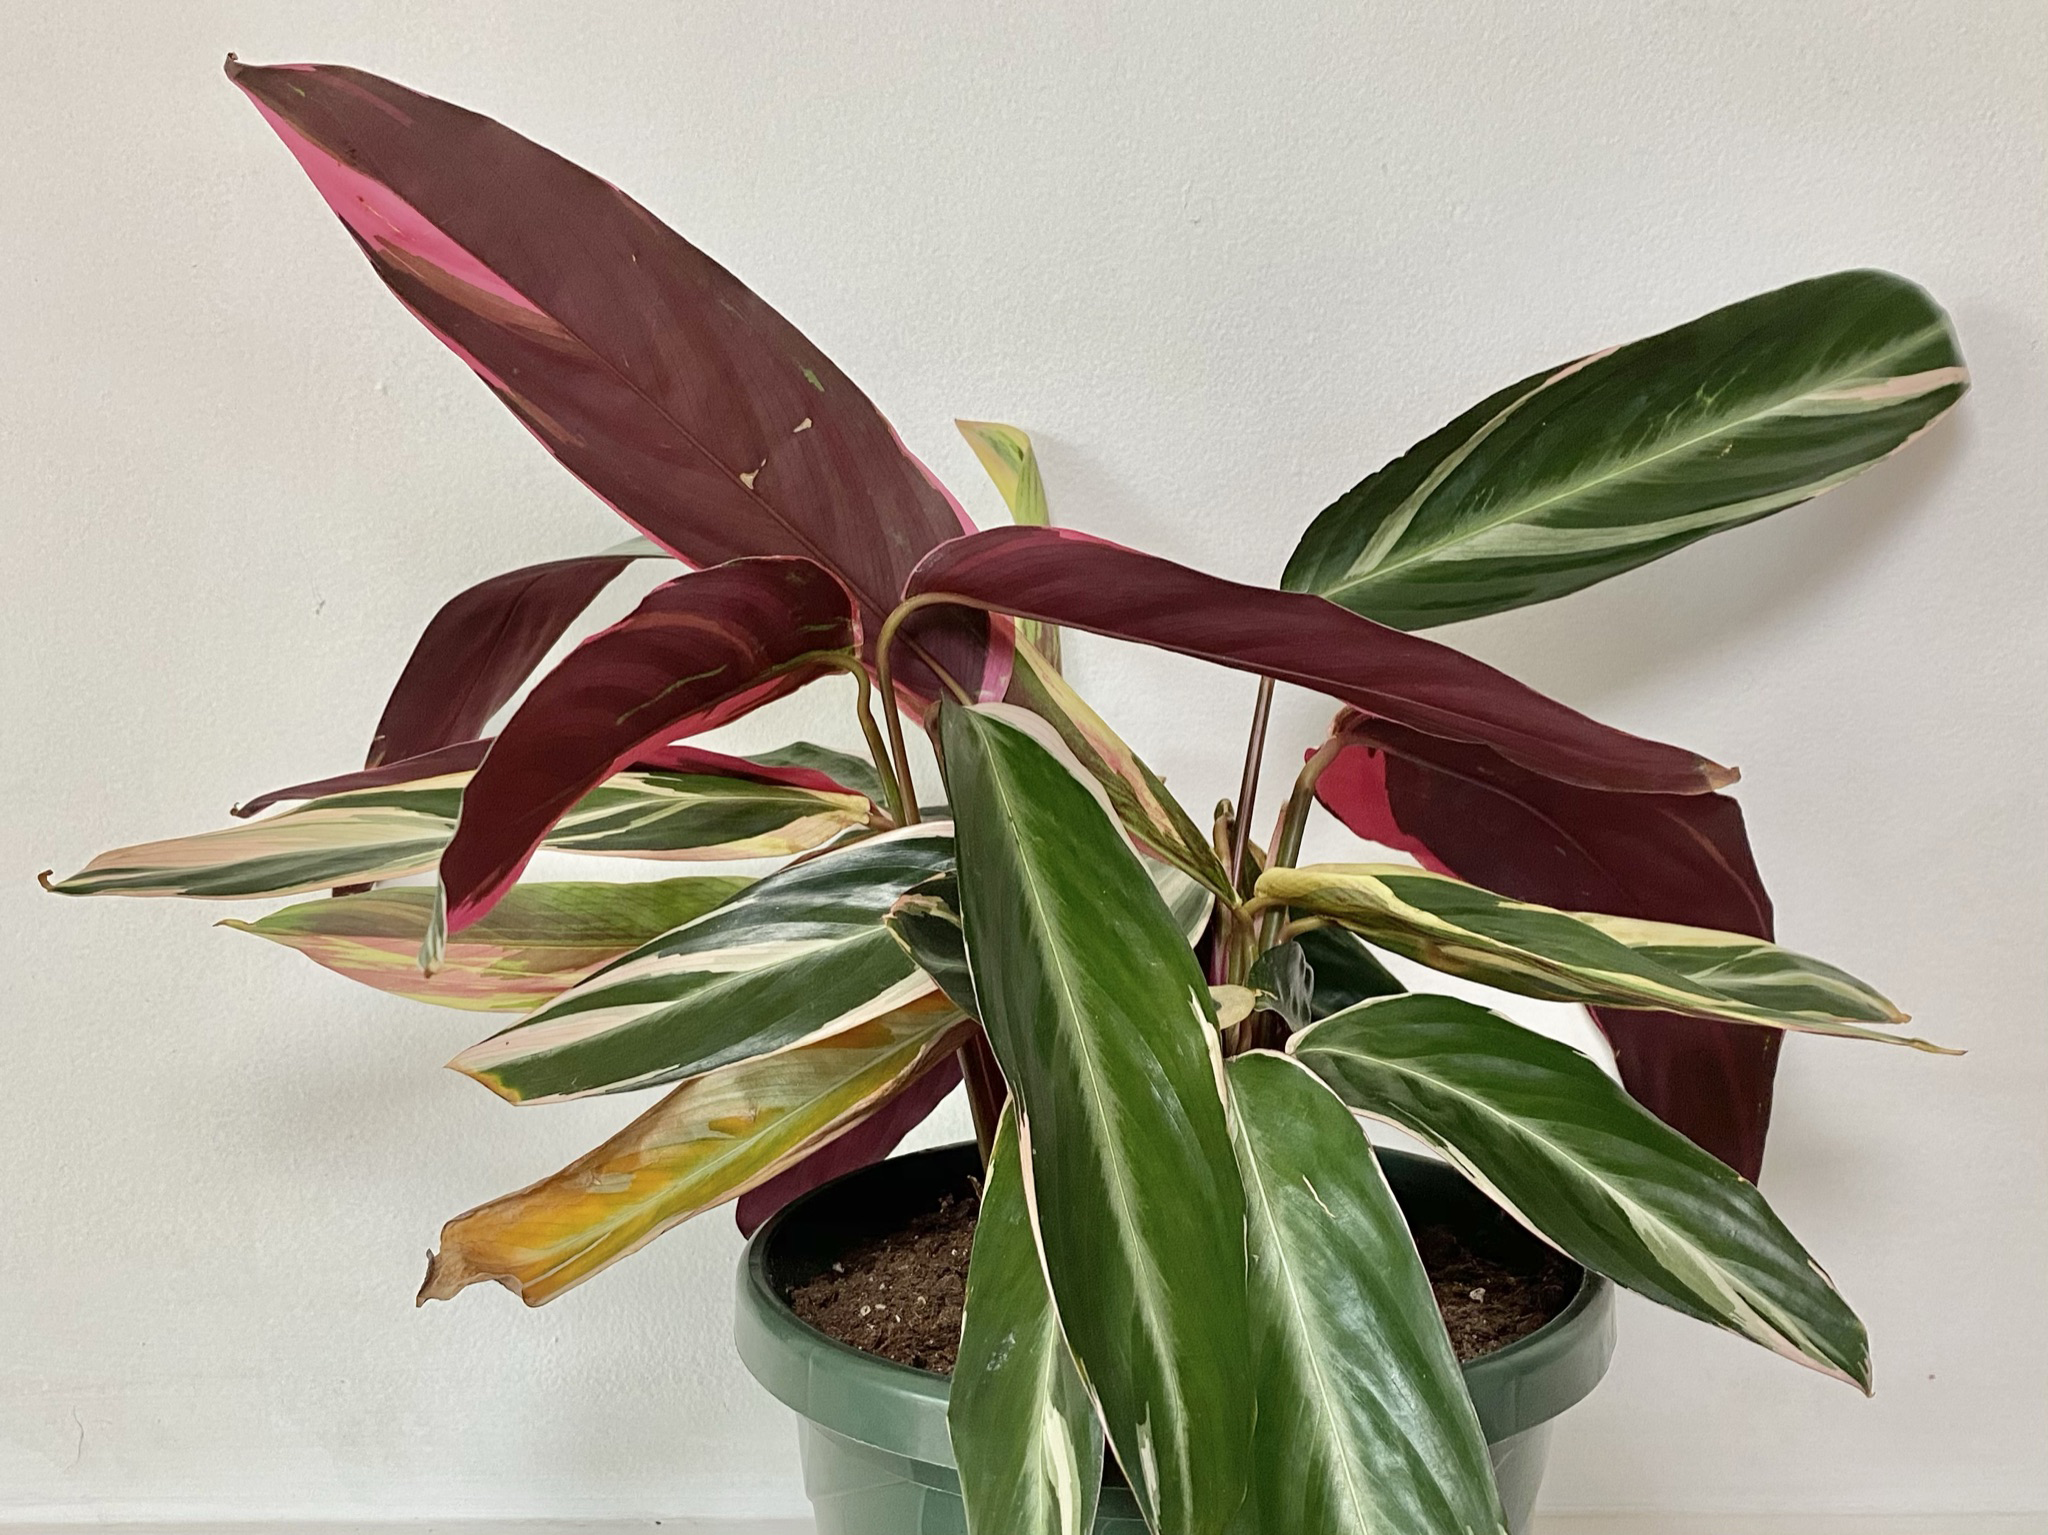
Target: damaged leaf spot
x=812 y=379
x=802 y=426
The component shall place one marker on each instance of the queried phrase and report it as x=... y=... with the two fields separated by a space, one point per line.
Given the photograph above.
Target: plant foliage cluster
x=1169 y=1031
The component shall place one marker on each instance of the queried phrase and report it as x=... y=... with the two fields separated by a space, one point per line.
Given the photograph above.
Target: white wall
x=1222 y=260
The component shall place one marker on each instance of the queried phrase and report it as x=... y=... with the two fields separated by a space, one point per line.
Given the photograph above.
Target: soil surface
x=902 y=1296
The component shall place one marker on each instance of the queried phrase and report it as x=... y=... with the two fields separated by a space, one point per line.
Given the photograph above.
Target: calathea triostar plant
x=1169 y=1034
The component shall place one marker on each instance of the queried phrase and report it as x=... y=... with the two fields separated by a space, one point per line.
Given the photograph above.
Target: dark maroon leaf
x=1058 y=576
x=655 y=376
x=869 y=1141
x=701 y=650
x=479 y=648
x=1467 y=811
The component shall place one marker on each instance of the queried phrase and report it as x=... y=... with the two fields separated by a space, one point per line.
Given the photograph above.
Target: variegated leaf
x=1095 y=1008
x=1148 y=811
x=396 y=829
x=1583 y=471
x=1006 y=453
x=1364 y=1427
x=1024 y=1431
x=538 y=941
x=713 y=1138
x=1585 y=957
x=800 y=955
x=1558 y=1143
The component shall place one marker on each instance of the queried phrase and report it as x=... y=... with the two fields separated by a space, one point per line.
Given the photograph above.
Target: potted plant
x=1190 y=1265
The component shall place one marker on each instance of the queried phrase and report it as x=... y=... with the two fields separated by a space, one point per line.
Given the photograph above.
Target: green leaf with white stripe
x=533 y=945
x=1583 y=471
x=1102 y=1023
x=799 y=955
x=1025 y=1435
x=1585 y=957
x=367 y=835
x=1558 y=1143
x=1364 y=1427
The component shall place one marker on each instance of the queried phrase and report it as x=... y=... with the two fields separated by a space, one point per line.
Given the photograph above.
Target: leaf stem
x=863 y=706
x=986 y=1090
x=1293 y=823
x=1248 y=786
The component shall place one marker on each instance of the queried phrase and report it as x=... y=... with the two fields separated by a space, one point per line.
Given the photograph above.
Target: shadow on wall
x=1623 y=636
x=1615 y=639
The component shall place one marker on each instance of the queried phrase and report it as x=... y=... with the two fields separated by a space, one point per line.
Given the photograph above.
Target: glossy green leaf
x=1581 y=472
x=710 y=1140
x=395 y=829
x=1585 y=957
x=799 y=955
x=1025 y=1435
x=1102 y=1023
x=1006 y=453
x=1364 y=1427
x=1559 y=1144
x=537 y=942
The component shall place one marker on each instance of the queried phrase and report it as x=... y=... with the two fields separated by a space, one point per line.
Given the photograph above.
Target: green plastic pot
x=876 y=1457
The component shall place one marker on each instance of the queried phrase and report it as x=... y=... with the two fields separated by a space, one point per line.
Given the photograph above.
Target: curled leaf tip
x=1719 y=777
x=43 y=879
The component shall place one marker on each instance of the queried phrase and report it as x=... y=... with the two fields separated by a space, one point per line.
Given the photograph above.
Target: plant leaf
x=482 y=644
x=1060 y=576
x=1142 y=802
x=1364 y=1427
x=1344 y=971
x=870 y=1140
x=652 y=373
x=1467 y=811
x=1584 y=471
x=800 y=765
x=1584 y=956
x=538 y=941
x=712 y=1138
x=1006 y=453
x=926 y=921
x=1284 y=983
x=396 y=829
x=1024 y=1431
x=798 y=956
x=835 y=767
x=1102 y=1024
x=1551 y=1137
x=699 y=650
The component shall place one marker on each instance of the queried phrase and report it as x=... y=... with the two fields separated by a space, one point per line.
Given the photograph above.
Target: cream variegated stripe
x=1560 y=1146
x=710 y=1140
x=1582 y=472
x=1137 y=797
x=1006 y=453
x=800 y=955
x=1575 y=957
x=384 y=833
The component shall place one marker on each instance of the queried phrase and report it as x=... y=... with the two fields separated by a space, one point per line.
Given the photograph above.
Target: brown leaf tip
x=43 y=879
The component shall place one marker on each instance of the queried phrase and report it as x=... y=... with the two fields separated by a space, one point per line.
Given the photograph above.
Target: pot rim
x=901 y=1409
